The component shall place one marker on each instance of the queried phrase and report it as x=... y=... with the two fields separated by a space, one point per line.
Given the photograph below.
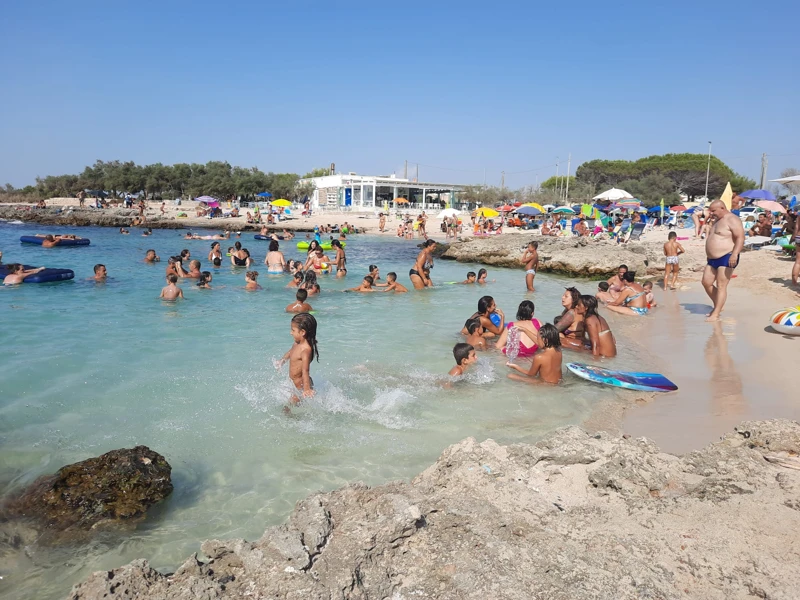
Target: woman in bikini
x=486 y=307
x=215 y=252
x=416 y=274
x=318 y=262
x=600 y=339
x=341 y=258
x=519 y=338
x=275 y=261
x=241 y=257
x=632 y=299
x=571 y=324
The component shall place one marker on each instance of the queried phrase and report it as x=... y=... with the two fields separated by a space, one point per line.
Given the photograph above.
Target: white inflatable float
x=787 y=321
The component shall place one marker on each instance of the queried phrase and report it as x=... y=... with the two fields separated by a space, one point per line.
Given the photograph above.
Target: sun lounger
x=636 y=231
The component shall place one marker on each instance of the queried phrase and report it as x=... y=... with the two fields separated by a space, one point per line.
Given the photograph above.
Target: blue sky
x=457 y=87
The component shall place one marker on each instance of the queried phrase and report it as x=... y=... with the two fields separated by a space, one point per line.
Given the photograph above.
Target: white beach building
x=367 y=193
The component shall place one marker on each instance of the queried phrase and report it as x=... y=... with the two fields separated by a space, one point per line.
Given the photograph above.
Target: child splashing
x=300 y=356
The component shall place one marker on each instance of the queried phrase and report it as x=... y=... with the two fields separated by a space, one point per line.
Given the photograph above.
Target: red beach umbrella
x=506 y=208
x=517 y=204
x=679 y=208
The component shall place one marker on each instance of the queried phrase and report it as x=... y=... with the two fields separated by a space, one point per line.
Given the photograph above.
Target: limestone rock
x=576 y=516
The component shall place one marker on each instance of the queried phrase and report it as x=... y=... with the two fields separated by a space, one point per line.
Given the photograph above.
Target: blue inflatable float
x=35 y=239
x=266 y=237
x=45 y=276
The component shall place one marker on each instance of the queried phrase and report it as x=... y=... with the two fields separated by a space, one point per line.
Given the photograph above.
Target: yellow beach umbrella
x=534 y=205
x=400 y=201
x=727 y=196
x=487 y=212
x=281 y=202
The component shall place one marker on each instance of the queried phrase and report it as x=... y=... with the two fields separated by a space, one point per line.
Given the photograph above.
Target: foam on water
x=91 y=367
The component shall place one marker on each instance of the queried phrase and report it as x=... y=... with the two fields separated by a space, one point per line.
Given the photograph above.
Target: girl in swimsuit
x=600 y=339
x=416 y=273
x=275 y=261
x=487 y=306
x=520 y=337
x=570 y=326
x=215 y=252
x=632 y=299
x=205 y=280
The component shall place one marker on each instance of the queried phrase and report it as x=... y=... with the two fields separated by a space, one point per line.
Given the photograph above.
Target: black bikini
x=240 y=262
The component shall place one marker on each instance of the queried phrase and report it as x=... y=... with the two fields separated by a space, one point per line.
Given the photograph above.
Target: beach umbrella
x=654 y=210
x=448 y=212
x=212 y=204
x=679 y=208
x=549 y=207
x=400 y=201
x=205 y=199
x=627 y=204
x=563 y=210
x=793 y=202
x=506 y=208
x=531 y=211
x=487 y=212
x=757 y=195
x=771 y=206
x=264 y=195
x=784 y=180
x=281 y=202
x=613 y=195
x=536 y=206
x=517 y=204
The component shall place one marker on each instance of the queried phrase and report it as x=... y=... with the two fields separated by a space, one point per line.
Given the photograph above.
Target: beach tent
x=613 y=195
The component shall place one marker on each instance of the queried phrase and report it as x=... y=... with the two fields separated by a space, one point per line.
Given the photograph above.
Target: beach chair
x=573 y=223
x=636 y=231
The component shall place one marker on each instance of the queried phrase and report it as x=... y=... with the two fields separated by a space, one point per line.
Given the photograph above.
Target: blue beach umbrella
x=264 y=195
x=757 y=195
x=528 y=210
x=654 y=210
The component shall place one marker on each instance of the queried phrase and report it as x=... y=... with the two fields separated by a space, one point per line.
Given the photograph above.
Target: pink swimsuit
x=523 y=349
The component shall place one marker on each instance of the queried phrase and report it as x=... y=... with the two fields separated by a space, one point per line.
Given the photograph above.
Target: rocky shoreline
x=575 y=516
x=575 y=256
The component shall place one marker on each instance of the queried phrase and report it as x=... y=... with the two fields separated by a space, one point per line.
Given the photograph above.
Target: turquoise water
x=91 y=367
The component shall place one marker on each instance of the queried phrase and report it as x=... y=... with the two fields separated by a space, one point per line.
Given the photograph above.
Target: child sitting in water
x=651 y=300
x=300 y=306
x=482 y=275
x=393 y=285
x=251 y=279
x=366 y=285
x=471 y=277
x=171 y=292
x=546 y=363
x=205 y=280
x=297 y=280
x=603 y=295
x=465 y=356
x=314 y=290
x=301 y=354
x=475 y=334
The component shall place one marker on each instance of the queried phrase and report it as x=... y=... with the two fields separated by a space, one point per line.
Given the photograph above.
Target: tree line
x=157 y=181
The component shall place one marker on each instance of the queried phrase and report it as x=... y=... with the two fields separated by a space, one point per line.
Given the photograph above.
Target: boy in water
x=366 y=285
x=475 y=334
x=171 y=292
x=300 y=306
x=471 y=278
x=251 y=281
x=100 y=273
x=651 y=300
x=531 y=261
x=300 y=355
x=392 y=285
x=546 y=363
x=603 y=295
x=465 y=356
x=672 y=250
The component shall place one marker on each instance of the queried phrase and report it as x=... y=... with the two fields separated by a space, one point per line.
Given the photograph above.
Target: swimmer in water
x=100 y=273
x=297 y=280
x=123 y=231
x=475 y=331
x=392 y=285
x=341 y=272
x=366 y=285
x=300 y=306
x=471 y=278
x=192 y=273
x=301 y=354
x=151 y=257
x=171 y=292
x=546 y=365
x=18 y=274
x=465 y=357
x=251 y=281
x=482 y=275
x=205 y=280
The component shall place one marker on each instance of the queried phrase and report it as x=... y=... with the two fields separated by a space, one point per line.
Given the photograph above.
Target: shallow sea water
x=91 y=367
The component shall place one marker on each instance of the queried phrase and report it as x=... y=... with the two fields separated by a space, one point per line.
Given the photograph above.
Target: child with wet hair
x=465 y=357
x=475 y=334
x=546 y=365
x=251 y=279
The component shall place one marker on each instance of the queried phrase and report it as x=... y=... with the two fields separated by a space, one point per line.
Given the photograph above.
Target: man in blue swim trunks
x=724 y=243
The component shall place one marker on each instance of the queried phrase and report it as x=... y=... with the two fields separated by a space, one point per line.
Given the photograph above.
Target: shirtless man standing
x=795 y=241
x=531 y=261
x=723 y=245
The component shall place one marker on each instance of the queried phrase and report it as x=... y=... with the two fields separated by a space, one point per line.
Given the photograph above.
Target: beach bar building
x=367 y=193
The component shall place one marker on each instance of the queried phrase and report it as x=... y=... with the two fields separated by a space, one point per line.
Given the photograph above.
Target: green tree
x=320 y=172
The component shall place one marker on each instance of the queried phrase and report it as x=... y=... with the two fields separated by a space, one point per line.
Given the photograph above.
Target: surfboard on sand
x=645 y=382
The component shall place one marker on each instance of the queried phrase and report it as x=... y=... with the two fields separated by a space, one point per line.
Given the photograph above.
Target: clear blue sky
x=458 y=87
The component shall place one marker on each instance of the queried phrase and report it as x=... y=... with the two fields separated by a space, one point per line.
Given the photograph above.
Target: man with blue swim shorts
x=724 y=243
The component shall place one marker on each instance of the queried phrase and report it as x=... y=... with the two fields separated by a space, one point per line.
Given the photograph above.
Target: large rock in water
x=574 y=517
x=118 y=486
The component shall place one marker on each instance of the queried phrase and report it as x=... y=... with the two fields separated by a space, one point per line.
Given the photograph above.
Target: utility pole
x=559 y=196
x=708 y=168
x=763 y=183
x=405 y=171
x=502 y=180
x=569 y=166
x=484 y=177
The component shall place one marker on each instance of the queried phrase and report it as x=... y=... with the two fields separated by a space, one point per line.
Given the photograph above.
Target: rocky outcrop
x=115 y=488
x=575 y=516
x=582 y=257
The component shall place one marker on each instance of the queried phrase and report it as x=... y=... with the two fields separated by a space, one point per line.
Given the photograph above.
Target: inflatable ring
x=45 y=276
x=787 y=321
x=325 y=245
x=35 y=239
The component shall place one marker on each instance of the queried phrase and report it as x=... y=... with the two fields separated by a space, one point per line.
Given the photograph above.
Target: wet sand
x=734 y=370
